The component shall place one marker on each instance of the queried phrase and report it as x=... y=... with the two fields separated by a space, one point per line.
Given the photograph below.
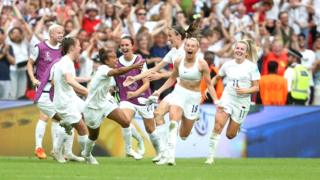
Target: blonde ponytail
x=251 y=50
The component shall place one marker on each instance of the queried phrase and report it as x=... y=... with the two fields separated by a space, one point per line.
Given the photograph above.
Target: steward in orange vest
x=273 y=87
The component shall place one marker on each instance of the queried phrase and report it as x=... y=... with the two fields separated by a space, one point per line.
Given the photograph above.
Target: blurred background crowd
x=287 y=32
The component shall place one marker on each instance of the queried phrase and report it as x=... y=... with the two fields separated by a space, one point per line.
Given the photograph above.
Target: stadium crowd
x=287 y=33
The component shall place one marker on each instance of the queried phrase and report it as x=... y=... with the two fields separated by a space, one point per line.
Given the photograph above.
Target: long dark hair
x=103 y=55
x=66 y=45
x=193 y=30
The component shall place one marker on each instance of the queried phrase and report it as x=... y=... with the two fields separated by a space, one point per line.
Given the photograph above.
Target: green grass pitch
x=30 y=168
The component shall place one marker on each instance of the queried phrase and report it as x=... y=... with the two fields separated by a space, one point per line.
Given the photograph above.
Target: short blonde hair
x=53 y=27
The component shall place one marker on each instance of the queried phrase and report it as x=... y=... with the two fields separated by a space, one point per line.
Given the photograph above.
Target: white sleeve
x=104 y=70
x=311 y=82
x=288 y=74
x=222 y=71
x=84 y=56
x=34 y=53
x=144 y=68
x=51 y=72
x=255 y=74
x=67 y=67
x=113 y=82
x=168 y=57
x=312 y=57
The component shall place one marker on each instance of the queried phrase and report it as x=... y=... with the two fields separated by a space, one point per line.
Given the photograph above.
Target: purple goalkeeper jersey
x=134 y=86
x=46 y=58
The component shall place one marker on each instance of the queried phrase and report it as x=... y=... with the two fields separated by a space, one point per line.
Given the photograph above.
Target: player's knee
x=159 y=121
x=149 y=128
x=126 y=123
x=93 y=137
x=158 y=114
x=218 y=127
x=184 y=137
x=44 y=117
x=231 y=135
x=81 y=128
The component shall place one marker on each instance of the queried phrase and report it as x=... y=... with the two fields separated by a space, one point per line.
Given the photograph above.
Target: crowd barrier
x=288 y=131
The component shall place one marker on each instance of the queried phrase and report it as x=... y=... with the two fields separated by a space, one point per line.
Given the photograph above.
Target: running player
x=186 y=96
x=129 y=96
x=66 y=102
x=176 y=36
x=100 y=103
x=242 y=80
x=44 y=55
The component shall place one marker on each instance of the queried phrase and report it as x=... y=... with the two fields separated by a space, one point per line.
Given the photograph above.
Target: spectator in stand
x=72 y=25
x=32 y=15
x=316 y=71
x=90 y=20
x=83 y=36
x=222 y=22
x=298 y=17
x=160 y=47
x=204 y=44
x=152 y=26
x=86 y=59
x=109 y=15
x=299 y=79
x=277 y=54
x=181 y=20
x=19 y=37
x=308 y=55
x=6 y=59
x=153 y=8
x=283 y=28
x=241 y=20
x=273 y=87
x=144 y=42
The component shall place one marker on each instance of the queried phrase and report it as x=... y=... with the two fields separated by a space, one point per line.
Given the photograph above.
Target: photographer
x=6 y=59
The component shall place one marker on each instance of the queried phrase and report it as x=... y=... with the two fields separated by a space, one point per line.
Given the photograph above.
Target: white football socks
x=82 y=141
x=39 y=132
x=68 y=143
x=135 y=134
x=56 y=131
x=213 y=144
x=89 y=147
x=155 y=140
x=127 y=138
x=172 y=140
x=162 y=131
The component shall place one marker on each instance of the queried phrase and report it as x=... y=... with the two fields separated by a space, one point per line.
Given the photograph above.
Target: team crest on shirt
x=47 y=56
x=133 y=86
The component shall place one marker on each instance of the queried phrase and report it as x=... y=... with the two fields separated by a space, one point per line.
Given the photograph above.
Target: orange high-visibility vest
x=282 y=61
x=218 y=87
x=273 y=89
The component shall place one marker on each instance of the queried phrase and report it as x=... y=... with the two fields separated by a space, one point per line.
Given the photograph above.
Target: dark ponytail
x=103 y=55
x=66 y=45
x=193 y=30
